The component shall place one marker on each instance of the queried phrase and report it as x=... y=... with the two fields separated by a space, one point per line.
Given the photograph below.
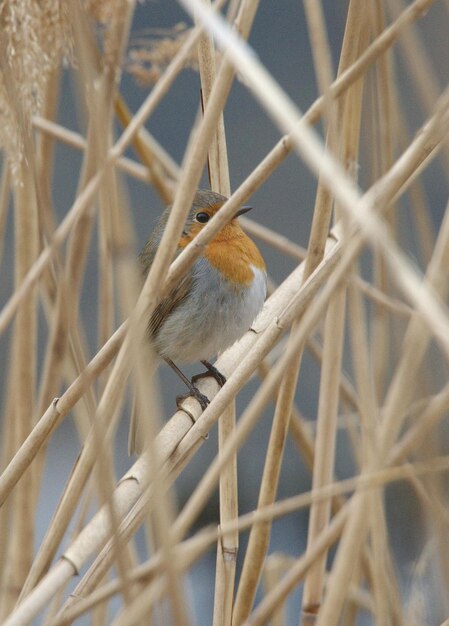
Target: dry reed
x=373 y=318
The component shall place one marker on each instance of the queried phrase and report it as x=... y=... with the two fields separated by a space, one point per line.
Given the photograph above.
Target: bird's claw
x=195 y=393
x=211 y=371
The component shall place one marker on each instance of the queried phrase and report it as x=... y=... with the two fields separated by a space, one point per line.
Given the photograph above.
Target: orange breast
x=234 y=256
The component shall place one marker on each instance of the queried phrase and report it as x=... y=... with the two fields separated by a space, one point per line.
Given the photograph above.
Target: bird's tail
x=146 y=406
x=135 y=426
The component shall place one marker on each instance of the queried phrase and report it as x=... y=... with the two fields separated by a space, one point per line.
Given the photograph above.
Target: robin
x=214 y=304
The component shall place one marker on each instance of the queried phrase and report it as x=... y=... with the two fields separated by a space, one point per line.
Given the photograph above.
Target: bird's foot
x=211 y=371
x=195 y=393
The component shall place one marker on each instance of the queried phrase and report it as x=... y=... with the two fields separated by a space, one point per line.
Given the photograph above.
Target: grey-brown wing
x=170 y=303
x=179 y=293
x=176 y=296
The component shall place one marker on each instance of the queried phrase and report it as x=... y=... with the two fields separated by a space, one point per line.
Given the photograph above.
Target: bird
x=212 y=306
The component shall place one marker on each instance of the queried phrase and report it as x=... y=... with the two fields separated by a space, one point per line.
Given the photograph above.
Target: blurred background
x=285 y=204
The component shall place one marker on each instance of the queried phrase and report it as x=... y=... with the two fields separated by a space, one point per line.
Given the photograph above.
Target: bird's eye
x=202 y=218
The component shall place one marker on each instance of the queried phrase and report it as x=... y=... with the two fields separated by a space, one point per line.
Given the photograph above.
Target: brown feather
x=169 y=304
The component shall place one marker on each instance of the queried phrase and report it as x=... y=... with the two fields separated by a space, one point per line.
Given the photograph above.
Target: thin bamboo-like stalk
x=77 y=141
x=383 y=582
x=425 y=80
x=7 y=451
x=5 y=191
x=259 y=537
x=162 y=512
x=350 y=544
x=383 y=579
x=217 y=156
x=275 y=598
x=151 y=154
x=415 y=343
x=349 y=120
x=227 y=550
x=381 y=125
x=25 y=360
x=325 y=445
x=227 y=547
x=219 y=181
x=101 y=117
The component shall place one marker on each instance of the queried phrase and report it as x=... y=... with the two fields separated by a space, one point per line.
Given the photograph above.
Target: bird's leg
x=211 y=371
x=193 y=391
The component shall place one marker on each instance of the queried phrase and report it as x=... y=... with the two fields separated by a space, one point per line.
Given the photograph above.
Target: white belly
x=212 y=318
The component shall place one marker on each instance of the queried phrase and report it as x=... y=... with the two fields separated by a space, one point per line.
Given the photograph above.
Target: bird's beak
x=243 y=210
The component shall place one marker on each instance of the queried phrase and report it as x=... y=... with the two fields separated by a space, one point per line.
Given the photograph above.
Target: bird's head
x=205 y=205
